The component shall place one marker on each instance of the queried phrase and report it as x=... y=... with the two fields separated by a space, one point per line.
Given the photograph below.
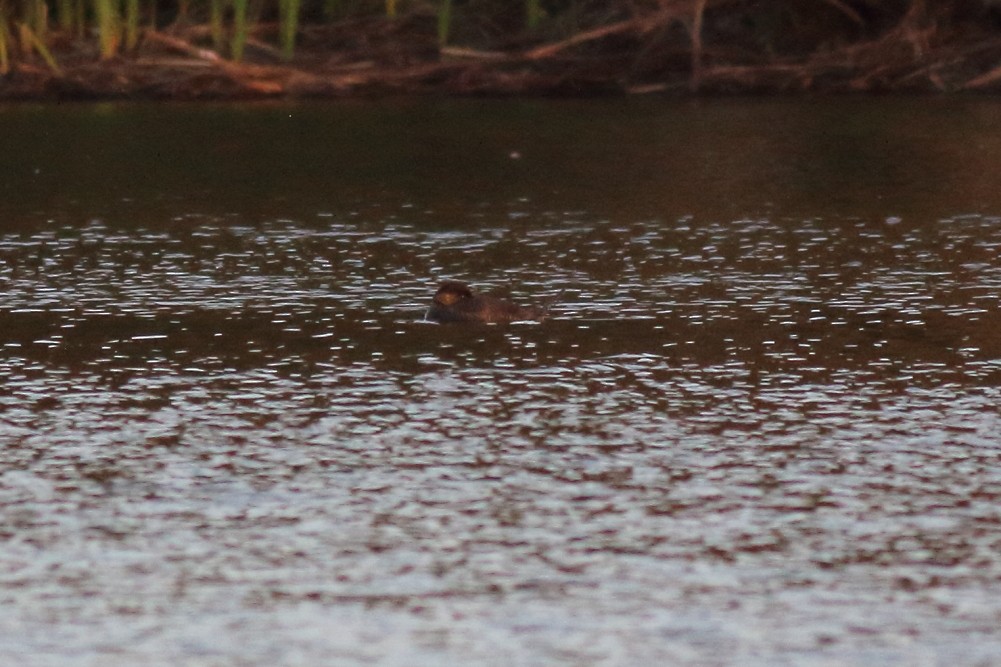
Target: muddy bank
x=677 y=48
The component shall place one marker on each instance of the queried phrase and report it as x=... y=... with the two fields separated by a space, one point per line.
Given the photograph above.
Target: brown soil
x=682 y=47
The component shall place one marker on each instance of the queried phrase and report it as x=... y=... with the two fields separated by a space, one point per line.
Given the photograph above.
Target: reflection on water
x=753 y=439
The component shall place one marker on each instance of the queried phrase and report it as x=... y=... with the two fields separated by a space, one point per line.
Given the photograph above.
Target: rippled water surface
x=760 y=426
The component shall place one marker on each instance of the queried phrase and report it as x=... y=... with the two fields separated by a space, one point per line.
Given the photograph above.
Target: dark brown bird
x=455 y=302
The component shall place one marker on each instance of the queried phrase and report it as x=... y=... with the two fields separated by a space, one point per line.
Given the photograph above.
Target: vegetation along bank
x=245 y=49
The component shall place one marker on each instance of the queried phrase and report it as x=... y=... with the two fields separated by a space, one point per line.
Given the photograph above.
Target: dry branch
x=181 y=46
x=641 y=24
x=984 y=80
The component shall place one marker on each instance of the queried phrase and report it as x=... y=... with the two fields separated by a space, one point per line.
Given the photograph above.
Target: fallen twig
x=472 y=54
x=984 y=80
x=637 y=24
x=178 y=44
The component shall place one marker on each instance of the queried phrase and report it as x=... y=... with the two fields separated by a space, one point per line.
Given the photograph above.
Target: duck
x=456 y=302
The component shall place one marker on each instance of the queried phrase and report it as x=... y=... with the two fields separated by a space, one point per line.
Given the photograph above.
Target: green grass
x=4 y=41
x=288 y=24
x=117 y=24
x=29 y=38
x=131 y=24
x=66 y=15
x=108 y=27
x=533 y=14
x=216 y=26
x=240 y=29
x=444 y=21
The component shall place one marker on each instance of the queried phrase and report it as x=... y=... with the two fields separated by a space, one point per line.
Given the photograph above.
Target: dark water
x=761 y=426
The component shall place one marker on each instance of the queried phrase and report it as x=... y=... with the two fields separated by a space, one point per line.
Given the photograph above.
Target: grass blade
x=444 y=21
x=131 y=24
x=533 y=14
x=288 y=25
x=108 y=30
x=331 y=8
x=28 y=36
x=66 y=15
x=4 y=41
x=215 y=24
x=239 y=29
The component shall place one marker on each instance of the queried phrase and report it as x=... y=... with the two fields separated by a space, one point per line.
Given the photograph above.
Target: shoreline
x=380 y=57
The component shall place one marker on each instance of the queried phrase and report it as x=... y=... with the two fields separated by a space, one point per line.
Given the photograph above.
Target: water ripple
x=796 y=410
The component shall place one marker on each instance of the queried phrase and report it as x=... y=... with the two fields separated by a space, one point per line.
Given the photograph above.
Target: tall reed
x=391 y=8
x=66 y=15
x=4 y=41
x=288 y=20
x=444 y=21
x=108 y=27
x=71 y=16
x=240 y=29
x=131 y=24
x=80 y=17
x=29 y=40
x=533 y=14
x=36 y=16
x=215 y=24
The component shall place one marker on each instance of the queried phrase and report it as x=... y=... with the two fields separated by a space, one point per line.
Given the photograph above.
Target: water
x=760 y=426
